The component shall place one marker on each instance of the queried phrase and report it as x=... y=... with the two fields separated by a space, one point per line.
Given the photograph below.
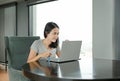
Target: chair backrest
x=18 y=50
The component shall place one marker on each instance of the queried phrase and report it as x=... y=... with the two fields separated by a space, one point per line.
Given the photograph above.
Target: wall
x=22 y=19
x=106 y=29
x=116 y=30
x=13 y=22
x=10 y=21
x=2 y=58
x=103 y=24
x=7 y=26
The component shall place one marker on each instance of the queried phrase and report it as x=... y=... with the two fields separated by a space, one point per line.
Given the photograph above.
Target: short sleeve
x=34 y=46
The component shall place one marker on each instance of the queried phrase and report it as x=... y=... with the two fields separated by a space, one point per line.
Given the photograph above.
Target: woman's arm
x=58 y=53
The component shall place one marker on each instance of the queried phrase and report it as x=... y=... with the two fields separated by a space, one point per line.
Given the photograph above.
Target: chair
x=18 y=51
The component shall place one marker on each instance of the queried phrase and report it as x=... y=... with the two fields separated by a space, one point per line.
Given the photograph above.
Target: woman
x=47 y=47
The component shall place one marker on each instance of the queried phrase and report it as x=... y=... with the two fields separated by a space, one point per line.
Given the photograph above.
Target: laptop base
x=65 y=61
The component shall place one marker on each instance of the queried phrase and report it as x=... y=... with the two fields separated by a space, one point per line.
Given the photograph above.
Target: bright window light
x=74 y=17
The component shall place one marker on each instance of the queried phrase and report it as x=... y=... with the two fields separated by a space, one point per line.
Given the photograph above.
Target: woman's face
x=53 y=35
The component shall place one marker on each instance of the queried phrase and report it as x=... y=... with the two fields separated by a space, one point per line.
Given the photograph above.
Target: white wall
x=103 y=23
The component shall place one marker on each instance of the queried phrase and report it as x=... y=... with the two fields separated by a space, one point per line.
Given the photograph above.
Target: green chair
x=18 y=51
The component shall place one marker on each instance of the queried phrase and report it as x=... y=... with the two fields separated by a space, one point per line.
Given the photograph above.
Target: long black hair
x=48 y=28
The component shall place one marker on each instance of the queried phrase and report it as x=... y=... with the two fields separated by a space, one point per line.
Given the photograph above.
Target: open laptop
x=70 y=51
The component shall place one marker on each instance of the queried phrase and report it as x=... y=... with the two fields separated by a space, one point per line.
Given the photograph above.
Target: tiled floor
x=3 y=73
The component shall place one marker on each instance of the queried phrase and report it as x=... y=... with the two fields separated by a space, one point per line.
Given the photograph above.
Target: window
x=74 y=18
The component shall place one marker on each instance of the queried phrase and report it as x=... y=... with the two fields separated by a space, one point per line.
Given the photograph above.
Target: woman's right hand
x=45 y=54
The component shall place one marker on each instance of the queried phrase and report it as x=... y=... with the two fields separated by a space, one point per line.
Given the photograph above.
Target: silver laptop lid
x=70 y=50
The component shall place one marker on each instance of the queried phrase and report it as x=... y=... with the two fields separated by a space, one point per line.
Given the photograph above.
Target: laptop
x=70 y=51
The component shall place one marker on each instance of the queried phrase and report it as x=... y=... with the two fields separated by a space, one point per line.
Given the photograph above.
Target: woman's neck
x=46 y=42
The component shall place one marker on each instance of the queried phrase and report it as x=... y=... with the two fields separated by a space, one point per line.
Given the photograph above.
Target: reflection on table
x=84 y=69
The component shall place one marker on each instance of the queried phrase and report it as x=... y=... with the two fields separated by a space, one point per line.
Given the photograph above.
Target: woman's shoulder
x=38 y=41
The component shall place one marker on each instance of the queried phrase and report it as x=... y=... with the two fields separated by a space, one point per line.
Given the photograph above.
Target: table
x=82 y=70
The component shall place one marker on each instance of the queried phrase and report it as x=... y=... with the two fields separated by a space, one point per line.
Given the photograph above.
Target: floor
x=3 y=73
